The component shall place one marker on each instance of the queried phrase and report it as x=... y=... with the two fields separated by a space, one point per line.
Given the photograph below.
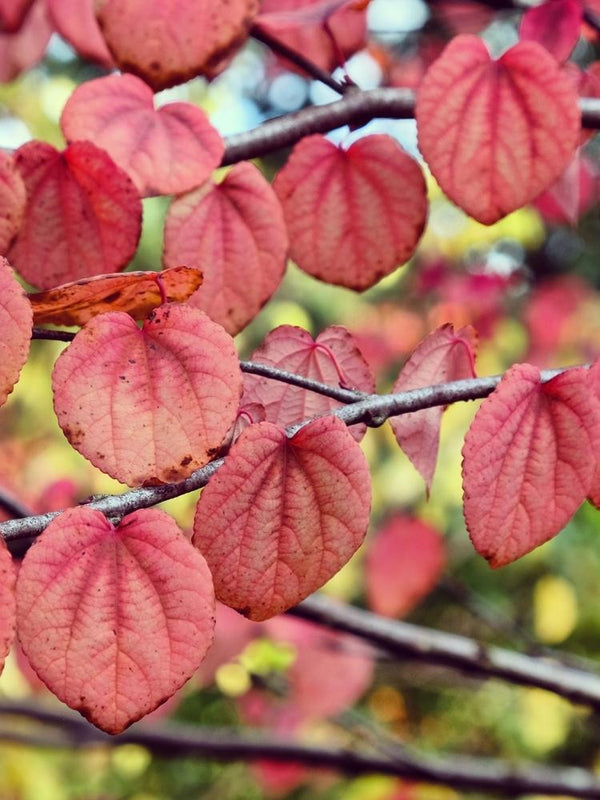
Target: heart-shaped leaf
x=83 y=214
x=114 y=619
x=136 y=293
x=15 y=329
x=442 y=356
x=333 y=358
x=282 y=516
x=495 y=134
x=529 y=460
x=353 y=215
x=234 y=232
x=169 y=43
x=169 y=150
x=152 y=405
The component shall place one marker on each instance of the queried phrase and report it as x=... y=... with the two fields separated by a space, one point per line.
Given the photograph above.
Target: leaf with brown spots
x=135 y=293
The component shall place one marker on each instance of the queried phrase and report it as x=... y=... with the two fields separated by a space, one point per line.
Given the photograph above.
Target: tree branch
x=403 y=640
x=177 y=741
x=357 y=107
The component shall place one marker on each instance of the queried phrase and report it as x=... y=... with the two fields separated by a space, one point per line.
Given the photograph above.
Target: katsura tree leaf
x=528 y=461
x=442 y=356
x=404 y=563
x=167 y=43
x=333 y=358
x=353 y=215
x=148 y=406
x=114 y=619
x=12 y=200
x=496 y=133
x=83 y=215
x=12 y=14
x=135 y=293
x=322 y=30
x=15 y=329
x=8 y=609
x=282 y=516
x=26 y=46
x=168 y=150
x=234 y=232
x=555 y=24
x=77 y=24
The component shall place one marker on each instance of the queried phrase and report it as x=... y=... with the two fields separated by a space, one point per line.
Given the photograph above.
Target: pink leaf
x=496 y=133
x=165 y=151
x=282 y=516
x=353 y=215
x=16 y=321
x=441 y=357
x=528 y=461
x=76 y=23
x=594 y=380
x=114 y=619
x=83 y=214
x=325 y=31
x=21 y=50
x=234 y=232
x=152 y=405
x=8 y=578
x=12 y=200
x=232 y=633
x=169 y=43
x=555 y=24
x=571 y=195
x=333 y=358
x=404 y=563
x=12 y=14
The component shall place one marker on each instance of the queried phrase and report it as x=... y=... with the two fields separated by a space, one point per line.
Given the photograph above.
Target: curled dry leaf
x=83 y=215
x=529 y=460
x=114 y=619
x=168 y=150
x=404 y=563
x=169 y=43
x=441 y=357
x=135 y=293
x=148 y=406
x=12 y=200
x=282 y=516
x=15 y=329
x=333 y=358
x=353 y=215
x=77 y=24
x=234 y=232
x=495 y=134
x=8 y=609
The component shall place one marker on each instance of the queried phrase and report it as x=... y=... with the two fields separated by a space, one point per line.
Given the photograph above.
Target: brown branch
x=176 y=741
x=355 y=108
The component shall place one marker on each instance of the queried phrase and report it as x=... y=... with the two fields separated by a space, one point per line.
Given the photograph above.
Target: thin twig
x=176 y=741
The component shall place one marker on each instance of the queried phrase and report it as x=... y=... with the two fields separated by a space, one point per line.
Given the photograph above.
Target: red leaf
x=136 y=293
x=114 y=619
x=15 y=329
x=12 y=200
x=232 y=634
x=169 y=43
x=528 y=461
x=21 y=50
x=353 y=215
x=403 y=565
x=77 y=24
x=234 y=232
x=152 y=405
x=571 y=195
x=282 y=516
x=594 y=379
x=555 y=24
x=7 y=602
x=12 y=14
x=441 y=357
x=302 y=25
x=83 y=214
x=165 y=151
x=333 y=358
x=496 y=133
